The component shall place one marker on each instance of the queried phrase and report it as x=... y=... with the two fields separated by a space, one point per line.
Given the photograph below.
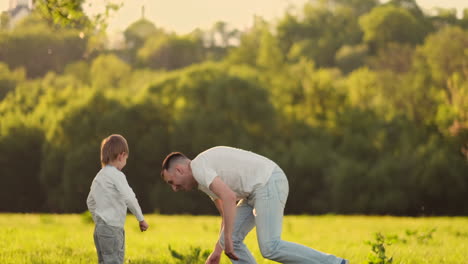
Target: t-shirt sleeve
x=203 y=174
x=211 y=194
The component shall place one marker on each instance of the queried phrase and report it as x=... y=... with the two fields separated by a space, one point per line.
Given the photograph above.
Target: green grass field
x=34 y=238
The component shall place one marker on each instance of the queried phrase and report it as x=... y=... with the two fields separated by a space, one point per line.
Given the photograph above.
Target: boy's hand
x=143 y=226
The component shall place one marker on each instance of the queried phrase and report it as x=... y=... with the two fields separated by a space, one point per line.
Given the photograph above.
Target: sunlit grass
x=38 y=238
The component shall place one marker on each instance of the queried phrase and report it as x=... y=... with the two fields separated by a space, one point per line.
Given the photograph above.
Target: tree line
x=363 y=104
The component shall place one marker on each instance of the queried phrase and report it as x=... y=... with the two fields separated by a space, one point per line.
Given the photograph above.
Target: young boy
x=108 y=200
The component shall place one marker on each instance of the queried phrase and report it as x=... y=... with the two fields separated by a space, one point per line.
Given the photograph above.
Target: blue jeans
x=264 y=209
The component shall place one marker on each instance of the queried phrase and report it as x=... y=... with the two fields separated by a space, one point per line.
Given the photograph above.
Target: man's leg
x=243 y=224
x=269 y=207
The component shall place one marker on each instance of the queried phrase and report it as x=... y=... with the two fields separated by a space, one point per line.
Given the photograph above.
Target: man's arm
x=228 y=206
x=215 y=257
x=219 y=206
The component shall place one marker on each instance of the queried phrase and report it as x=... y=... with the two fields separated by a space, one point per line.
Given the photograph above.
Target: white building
x=18 y=10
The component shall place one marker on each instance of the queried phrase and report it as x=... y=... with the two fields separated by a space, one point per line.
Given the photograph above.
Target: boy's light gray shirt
x=110 y=196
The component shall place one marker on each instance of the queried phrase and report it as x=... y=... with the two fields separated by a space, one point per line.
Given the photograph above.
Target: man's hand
x=214 y=258
x=228 y=198
x=229 y=249
x=143 y=226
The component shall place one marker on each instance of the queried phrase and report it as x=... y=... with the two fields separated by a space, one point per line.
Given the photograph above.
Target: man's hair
x=170 y=160
x=111 y=147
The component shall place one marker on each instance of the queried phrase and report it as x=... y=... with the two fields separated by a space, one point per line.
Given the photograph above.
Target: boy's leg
x=269 y=208
x=243 y=224
x=122 y=251
x=98 y=247
x=111 y=242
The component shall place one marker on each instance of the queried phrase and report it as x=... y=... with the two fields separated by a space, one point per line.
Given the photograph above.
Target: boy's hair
x=170 y=160
x=111 y=147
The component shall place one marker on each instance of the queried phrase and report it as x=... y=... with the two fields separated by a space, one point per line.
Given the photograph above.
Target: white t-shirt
x=110 y=196
x=243 y=171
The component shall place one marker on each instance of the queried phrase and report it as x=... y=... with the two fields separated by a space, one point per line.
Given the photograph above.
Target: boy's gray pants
x=110 y=243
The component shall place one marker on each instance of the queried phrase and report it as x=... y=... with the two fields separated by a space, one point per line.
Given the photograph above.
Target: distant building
x=18 y=10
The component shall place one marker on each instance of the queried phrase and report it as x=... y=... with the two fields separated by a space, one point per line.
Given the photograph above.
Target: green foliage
x=409 y=5
x=80 y=71
x=439 y=50
x=218 y=40
x=464 y=20
x=20 y=158
x=108 y=72
x=269 y=54
x=170 y=52
x=250 y=41
x=63 y=12
x=361 y=119
x=221 y=31
x=422 y=237
x=136 y=35
x=4 y=20
x=70 y=14
x=194 y=256
x=378 y=255
x=87 y=217
x=359 y=7
x=53 y=238
x=349 y=58
x=381 y=243
x=51 y=51
x=323 y=28
x=442 y=61
x=9 y=79
x=445 y=17
x=394 y=57
x=238 y=108
x=386 y=24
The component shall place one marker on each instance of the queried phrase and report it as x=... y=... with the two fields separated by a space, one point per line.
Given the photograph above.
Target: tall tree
x=170 y=52
x=324 y=26
x=387 y=24
x=443 y=59
x=34 y=46
x=9 y=79
x=109 y=72
x=247 y=51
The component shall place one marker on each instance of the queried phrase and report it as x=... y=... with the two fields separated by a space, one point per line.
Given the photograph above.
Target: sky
x=183 y=16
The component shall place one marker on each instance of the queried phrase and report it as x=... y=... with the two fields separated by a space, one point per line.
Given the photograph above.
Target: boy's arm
x=91 y=205
x=129 y=197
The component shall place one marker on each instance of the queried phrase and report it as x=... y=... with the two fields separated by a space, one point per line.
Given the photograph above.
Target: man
x=229 y=175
